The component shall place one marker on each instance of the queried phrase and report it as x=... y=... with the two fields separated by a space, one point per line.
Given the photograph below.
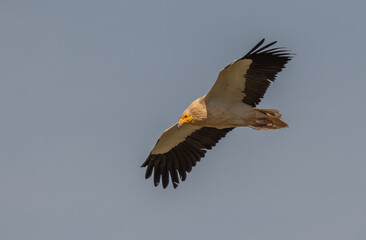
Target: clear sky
x=87 y=87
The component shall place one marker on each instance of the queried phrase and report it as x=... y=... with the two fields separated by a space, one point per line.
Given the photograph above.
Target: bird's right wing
x=178 y=149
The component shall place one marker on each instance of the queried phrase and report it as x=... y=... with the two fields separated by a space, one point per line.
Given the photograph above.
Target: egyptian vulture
x=231 y=102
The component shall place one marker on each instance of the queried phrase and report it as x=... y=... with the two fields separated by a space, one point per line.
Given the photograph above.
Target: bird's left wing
x=178 y=149
x=248 y=78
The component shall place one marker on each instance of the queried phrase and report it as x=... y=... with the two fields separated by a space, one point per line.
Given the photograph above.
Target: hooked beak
x=180 y=123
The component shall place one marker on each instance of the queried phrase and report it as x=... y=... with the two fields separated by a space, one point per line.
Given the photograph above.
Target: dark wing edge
x=180 y=159
x=267 y=63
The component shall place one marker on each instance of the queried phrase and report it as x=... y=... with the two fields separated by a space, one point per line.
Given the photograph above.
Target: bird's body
x=226 y=114
x=231 y=102
x=219 y=114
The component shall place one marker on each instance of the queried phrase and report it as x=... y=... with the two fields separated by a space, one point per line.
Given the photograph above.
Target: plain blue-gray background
x=87 y=87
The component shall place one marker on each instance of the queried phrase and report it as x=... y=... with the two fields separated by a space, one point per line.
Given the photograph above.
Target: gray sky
x=87 y=87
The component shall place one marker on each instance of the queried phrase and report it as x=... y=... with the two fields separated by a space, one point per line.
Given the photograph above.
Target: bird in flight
x=231 y=102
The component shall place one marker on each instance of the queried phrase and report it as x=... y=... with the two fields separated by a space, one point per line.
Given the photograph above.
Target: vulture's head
x=185 y=118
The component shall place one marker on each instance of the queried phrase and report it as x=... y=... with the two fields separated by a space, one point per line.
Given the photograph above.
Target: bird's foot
x=263 y=122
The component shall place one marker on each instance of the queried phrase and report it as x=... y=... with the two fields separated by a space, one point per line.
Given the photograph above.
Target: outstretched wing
x=248 y=78
x=178 y=150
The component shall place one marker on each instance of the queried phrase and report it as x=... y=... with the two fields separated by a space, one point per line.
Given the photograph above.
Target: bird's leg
x=263 y=122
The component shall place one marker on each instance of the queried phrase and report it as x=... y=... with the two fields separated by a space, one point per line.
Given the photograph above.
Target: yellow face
x=185 y=118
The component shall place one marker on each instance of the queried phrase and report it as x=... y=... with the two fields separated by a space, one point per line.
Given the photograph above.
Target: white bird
x=231 y=102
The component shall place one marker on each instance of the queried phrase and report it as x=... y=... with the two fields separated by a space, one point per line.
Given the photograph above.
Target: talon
x=263 y=121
